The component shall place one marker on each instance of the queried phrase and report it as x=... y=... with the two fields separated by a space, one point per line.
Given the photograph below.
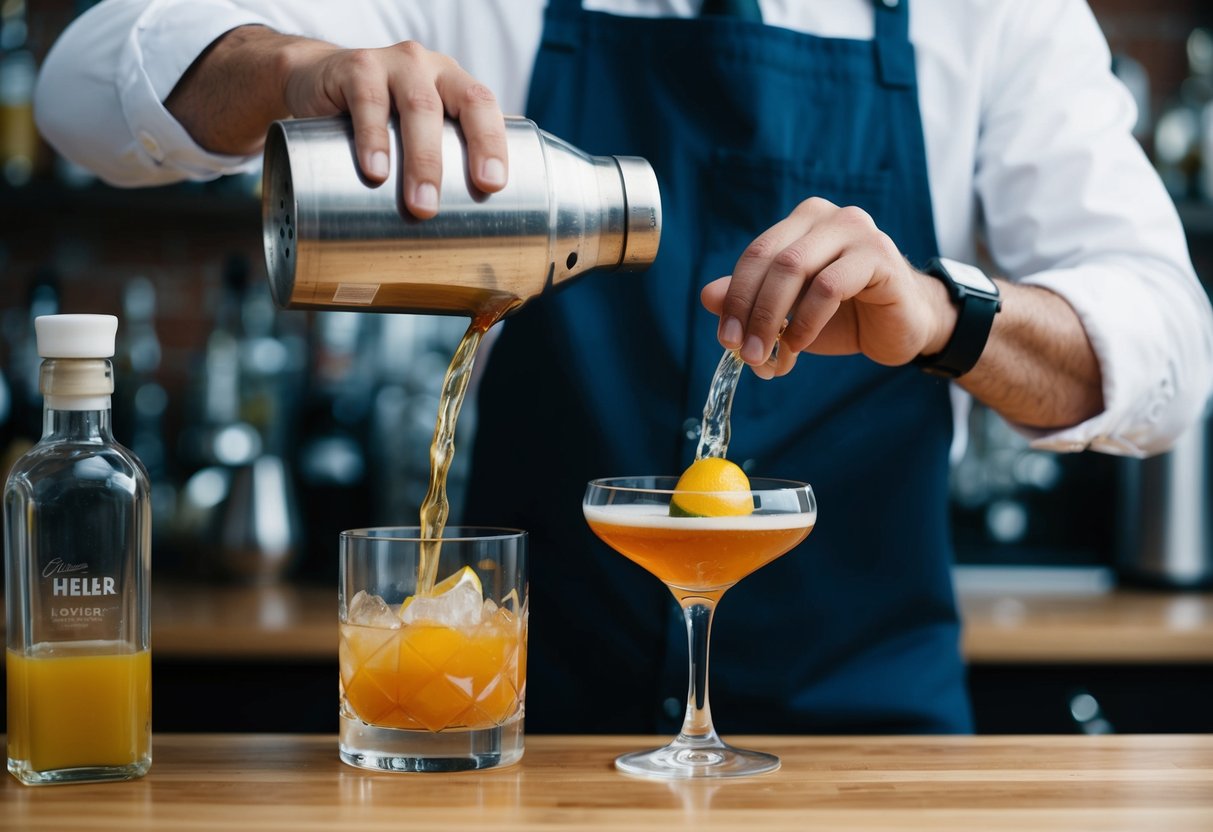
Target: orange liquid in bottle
x=78 y=705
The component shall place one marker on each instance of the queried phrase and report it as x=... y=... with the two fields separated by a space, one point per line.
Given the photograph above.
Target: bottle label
x=76 y=599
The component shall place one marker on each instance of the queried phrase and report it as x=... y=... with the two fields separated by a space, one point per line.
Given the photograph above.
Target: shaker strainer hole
x=290 y=234
x=288 y=253
x=572 y=261
x=282 y=233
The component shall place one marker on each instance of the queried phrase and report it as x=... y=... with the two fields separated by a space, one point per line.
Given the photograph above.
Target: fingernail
x=730 y=333
x=426 y=197
x=753 y=352
x=378 y=166
x=492 y=172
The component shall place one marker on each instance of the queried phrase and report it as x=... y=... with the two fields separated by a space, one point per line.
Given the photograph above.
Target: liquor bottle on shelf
x=237 y=518
x=23 y=425
x=77 y=519
x=332 y=457
x=18 y=135
x=1178 y=144
x=141 y=401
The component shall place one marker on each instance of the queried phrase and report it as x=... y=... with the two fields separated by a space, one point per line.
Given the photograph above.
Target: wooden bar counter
x=293 y=782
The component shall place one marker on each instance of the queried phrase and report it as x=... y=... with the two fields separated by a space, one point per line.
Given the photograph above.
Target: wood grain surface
x=276 y=782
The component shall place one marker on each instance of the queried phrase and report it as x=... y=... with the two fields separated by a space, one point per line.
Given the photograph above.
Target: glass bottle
x=77 y=521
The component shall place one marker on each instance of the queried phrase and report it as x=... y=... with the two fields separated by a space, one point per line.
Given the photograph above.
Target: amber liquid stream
x=435 y=507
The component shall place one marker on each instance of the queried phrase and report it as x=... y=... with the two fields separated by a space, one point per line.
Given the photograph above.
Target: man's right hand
x=253 y=75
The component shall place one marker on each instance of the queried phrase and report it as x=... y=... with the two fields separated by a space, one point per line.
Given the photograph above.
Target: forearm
x=236 y=88
x=1038 y=368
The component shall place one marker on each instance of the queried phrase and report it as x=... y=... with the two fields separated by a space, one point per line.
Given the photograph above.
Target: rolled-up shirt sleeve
x=112 y=69
x=1072 y=204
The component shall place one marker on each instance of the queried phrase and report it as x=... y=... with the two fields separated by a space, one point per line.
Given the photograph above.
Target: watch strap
x=974 y=319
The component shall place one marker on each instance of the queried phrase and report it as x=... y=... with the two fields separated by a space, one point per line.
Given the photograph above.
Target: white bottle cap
x=76 y=336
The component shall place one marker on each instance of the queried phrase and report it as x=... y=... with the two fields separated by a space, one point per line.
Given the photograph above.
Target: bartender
x=838 y=162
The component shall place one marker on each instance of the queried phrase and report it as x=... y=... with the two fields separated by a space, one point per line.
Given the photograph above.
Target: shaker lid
x=76 y=336
x=643 y=200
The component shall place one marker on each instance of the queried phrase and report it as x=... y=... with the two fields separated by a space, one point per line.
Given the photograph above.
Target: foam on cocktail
x=657 y=516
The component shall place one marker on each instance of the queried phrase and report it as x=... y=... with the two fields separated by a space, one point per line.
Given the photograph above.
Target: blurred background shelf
x=1036 y=616
x=49 y=199
x=1050 y=651
x=1198 y=222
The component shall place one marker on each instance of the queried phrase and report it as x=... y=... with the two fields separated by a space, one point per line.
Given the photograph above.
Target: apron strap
x=562 y=25
x=563 y=22
x=894 y=54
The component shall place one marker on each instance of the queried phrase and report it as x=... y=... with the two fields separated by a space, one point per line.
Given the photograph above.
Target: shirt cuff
x=1142 y=334
x=167 y=39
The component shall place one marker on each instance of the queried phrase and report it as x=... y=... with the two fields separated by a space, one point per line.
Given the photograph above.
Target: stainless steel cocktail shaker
x=333 y=240
x=1166 y=527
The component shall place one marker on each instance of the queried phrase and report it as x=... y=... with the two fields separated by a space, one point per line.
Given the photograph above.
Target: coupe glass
x=698 y=558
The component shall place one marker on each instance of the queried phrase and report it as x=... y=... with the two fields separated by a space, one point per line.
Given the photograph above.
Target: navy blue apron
x=855 y=630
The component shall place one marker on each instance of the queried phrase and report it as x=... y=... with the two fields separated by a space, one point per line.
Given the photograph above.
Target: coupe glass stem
x=697 y=730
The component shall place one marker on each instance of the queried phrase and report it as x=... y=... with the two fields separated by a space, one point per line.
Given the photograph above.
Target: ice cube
x=459 y=607
x=371 y=611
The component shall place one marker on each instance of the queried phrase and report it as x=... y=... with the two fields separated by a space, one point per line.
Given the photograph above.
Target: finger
x=780 y=363
x=747 y=278
x=712 y=295
x=782 y=360
x=785 y=360
x=365 y=91
x=840 y=334
x=483 y=126
x=837 y=282
x=845 y=231
x=783 y=286
x=421 y=115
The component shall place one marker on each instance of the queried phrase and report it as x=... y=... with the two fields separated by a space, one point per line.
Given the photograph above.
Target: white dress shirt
x=1027 y=137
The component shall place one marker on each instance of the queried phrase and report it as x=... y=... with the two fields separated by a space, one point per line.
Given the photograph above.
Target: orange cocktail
x=55 y=696
x=429 y=677
x=696 y=553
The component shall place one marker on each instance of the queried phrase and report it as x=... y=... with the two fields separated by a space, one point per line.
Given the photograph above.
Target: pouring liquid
x=435 y=507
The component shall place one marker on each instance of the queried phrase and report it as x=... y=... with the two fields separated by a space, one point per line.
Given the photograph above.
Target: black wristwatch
x=977 y=300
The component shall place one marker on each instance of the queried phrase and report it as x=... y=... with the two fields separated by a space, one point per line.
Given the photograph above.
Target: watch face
x=970 y=277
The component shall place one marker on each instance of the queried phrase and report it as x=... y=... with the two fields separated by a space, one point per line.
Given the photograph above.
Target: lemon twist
x=465 y=575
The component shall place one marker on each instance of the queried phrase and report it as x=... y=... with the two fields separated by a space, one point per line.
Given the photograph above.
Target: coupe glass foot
x=681 y=762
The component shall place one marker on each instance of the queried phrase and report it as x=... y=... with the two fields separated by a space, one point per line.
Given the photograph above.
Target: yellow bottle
x=77 y=537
